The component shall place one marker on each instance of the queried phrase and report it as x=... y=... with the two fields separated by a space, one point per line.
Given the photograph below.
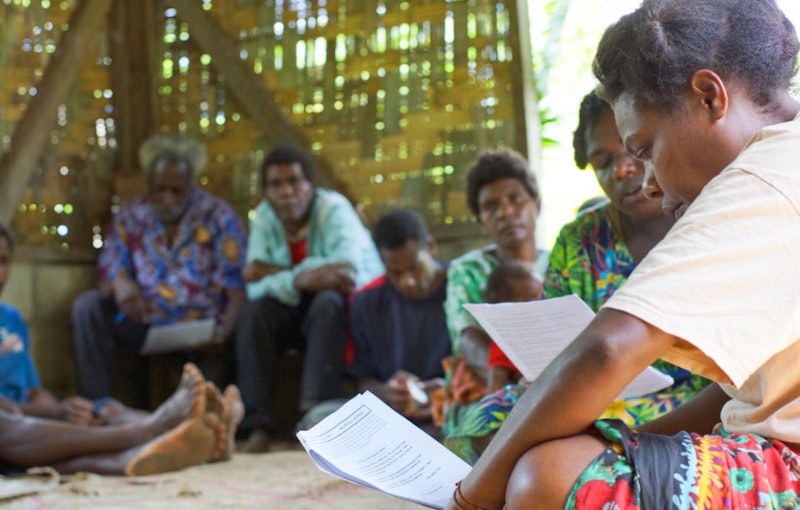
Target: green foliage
x=545 y=55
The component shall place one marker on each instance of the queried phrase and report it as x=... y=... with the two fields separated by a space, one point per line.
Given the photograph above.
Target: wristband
x=461 y=502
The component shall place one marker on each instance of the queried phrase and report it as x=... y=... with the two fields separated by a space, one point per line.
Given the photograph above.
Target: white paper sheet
x=533 y=333
x=177 y=336
x=368 y=443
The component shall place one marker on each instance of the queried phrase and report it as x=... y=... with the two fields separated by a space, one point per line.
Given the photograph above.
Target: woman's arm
x=699 y=414
x=567 y=397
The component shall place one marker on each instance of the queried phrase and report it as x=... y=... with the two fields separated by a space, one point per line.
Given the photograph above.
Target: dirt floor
x=280 y=480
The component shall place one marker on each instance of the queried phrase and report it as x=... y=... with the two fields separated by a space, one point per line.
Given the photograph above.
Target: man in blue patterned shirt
x=173 y=254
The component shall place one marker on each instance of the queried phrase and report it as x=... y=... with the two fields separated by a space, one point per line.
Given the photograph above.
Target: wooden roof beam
x=244 y=84
x=527 y=124
x=32 y=133
x=133 y=31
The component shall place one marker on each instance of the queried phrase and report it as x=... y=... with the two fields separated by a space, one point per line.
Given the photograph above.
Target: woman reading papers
x=700 y=95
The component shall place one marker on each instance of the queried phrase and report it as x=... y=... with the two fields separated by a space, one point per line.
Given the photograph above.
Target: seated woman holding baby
x=502 y=193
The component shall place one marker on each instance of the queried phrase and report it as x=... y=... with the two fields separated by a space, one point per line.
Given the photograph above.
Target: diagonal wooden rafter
x=32 y=132
x=243 y=83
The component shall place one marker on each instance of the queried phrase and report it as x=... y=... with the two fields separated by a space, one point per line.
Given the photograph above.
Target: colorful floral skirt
x=687 y=471
x=466 y=427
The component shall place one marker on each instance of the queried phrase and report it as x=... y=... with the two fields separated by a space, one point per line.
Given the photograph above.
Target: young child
x=508 y=282
x=19 y=379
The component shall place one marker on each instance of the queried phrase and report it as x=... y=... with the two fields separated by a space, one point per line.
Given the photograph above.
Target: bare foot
x=257 y=442
x=114 y=413
x=188 y=444
x=230 y=410
x=235 y=413
x=215 y=404
x=110 y=412
x=234 y=398
x=188 y=401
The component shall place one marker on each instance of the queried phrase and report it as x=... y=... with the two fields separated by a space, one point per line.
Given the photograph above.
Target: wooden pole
x=32 y=133
x=528 y=127
x=132 y=34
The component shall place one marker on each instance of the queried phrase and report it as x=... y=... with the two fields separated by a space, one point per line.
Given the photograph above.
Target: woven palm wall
x=393 y=97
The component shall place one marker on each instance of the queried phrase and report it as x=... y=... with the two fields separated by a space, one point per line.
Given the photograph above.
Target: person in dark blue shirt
x=397 y=320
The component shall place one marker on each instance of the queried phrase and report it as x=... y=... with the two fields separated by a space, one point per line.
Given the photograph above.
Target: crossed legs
x=545 y=474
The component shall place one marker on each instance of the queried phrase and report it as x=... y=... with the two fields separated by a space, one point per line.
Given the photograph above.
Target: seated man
x=307 y=249
x=173 y=254
x=195 y=425
x=397 y=320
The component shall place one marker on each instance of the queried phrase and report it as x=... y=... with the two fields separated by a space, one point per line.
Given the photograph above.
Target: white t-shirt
x=726 y=280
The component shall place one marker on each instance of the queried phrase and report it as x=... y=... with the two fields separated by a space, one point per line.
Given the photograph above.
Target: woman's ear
x=431 y=244
x=709 y=91
x=538 y=204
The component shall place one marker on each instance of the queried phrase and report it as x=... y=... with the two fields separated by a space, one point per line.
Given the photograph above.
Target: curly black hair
x=591 y=108
x=285 y=153
x=653 y=52
x=491 y=166
x=394 y=229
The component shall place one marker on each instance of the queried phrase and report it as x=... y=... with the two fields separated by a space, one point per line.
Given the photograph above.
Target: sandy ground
x=280 y=480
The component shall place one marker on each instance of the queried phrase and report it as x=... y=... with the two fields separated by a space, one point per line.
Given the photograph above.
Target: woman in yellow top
x=700 y=95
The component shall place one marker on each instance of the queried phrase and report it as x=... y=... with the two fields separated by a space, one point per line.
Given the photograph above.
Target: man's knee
x=544 y=475
x=86 y=304
x=327 y=302
x=326 y=318
x=331 y=298
x=254 y=306
x=261 y=309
